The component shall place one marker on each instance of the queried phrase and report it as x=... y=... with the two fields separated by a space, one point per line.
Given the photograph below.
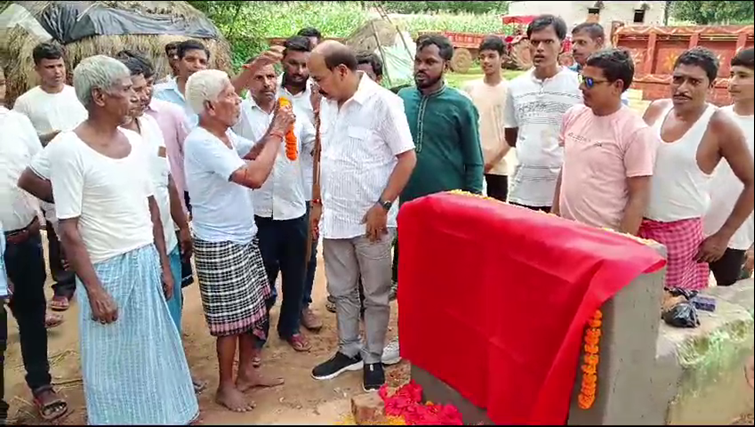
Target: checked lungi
x=682 y=240
x=233 y=285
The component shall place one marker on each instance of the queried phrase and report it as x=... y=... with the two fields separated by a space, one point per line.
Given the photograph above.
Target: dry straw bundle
x=16 y=44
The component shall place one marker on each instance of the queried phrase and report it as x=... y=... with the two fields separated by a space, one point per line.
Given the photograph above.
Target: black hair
x=493 y=43
x=594 y=29
x=310 y=32
x=744 y=58
x=46 y=50
x=297 y=44
x=135 y=67
x=373 y=60
x=188 y=45
x=616 y=64
x=700 y=57
x=146 y=65
x=544 y=21
x=445 y=48
x=171 y=47
x=341 y=56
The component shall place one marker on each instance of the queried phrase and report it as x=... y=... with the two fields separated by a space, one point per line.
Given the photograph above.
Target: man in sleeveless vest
x=695 y=136
x=724 y=185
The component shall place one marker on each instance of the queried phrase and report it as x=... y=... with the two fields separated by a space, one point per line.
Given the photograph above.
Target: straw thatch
x=17 y=46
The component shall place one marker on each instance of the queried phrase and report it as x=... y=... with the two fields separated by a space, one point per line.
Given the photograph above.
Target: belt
x=20 y=236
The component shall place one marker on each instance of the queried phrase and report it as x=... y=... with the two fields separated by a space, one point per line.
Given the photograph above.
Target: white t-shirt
x=108 y=195
x=222 y=211
x=40 y=165
x=725 y=189
x=159 y=171
x=537 y=107
x=49 y=112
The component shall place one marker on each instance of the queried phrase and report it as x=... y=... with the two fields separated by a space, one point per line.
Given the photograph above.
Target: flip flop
x=53 y=320
x=52 y=410
x=59 y=303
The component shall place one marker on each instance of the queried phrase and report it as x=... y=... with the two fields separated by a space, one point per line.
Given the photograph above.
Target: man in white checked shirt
x=367 y=158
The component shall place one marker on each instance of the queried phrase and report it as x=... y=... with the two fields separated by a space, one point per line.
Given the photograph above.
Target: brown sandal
x=59 y=303
x=299 y=343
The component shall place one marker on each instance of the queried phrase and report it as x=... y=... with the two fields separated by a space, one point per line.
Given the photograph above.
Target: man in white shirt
x=725 y=187
x=52 y=107
x=23 y=255
x=489 y=96
x=294 y=84
x=133 y=363
x=279 y=205
x=221 y=167
x=367 y=159
x=535 y=106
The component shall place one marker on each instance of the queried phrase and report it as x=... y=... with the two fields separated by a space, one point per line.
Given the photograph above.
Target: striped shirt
x=360 y=143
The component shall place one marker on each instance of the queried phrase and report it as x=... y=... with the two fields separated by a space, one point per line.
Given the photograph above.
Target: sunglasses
x=590 y=82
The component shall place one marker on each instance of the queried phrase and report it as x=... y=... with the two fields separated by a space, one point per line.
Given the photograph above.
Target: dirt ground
x=301 y=400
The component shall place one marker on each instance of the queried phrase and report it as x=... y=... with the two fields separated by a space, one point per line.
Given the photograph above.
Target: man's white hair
x=97 y=72
x=204 y=86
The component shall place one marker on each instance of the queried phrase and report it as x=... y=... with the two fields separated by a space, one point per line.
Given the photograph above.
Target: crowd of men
x=137 y=177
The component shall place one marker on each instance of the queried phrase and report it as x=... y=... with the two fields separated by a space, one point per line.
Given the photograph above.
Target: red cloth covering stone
x=494 y=299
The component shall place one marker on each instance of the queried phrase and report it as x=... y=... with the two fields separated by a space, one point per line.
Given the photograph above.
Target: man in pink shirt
x=609 y=151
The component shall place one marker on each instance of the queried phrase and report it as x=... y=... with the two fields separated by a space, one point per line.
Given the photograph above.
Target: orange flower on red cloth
x=587 y=392
x=292 y=150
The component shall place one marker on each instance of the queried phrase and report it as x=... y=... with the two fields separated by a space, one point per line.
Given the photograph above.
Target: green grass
x=457 y=80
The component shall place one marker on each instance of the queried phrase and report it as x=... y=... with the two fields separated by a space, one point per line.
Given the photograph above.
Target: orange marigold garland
x=591 y=359
x=291 y=143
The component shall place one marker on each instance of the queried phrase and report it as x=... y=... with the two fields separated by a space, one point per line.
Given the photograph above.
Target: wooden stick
x=315 y=184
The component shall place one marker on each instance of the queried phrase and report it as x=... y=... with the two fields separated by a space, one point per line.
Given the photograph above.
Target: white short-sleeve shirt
x=360 y=143
x=50 y=112
x=159 y=171
x=222 y=211
x=109 y=196
x=536 y=108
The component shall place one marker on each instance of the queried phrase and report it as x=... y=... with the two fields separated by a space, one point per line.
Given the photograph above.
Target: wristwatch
x=385 y=204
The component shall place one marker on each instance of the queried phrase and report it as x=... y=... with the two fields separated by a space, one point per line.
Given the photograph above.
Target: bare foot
x=233 y=399
x=246 y=382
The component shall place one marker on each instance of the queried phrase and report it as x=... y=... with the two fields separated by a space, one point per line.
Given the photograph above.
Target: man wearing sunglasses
x=609 y=151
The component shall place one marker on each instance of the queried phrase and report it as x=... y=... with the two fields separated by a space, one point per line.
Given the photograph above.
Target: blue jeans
x=309 y=278
x=283 y=247
x=175 y=303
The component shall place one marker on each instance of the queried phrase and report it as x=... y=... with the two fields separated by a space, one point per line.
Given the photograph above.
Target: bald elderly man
x=367 y=159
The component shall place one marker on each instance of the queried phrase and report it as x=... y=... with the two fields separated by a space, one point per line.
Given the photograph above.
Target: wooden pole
x=316 y=196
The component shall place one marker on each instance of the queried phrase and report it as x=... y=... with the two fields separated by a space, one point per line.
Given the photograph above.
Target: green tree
x=713 y=12
x=476 y=7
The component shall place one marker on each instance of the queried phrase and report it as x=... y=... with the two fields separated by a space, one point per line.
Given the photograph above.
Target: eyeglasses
x=590 y=82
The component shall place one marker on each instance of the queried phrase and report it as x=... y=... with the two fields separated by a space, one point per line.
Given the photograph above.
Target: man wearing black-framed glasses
x=609 y=151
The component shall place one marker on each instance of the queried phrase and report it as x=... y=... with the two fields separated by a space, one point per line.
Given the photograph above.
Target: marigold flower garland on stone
x=589 y=387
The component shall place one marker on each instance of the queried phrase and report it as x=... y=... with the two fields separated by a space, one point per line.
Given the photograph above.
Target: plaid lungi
x=233 y=285
x=682 y=240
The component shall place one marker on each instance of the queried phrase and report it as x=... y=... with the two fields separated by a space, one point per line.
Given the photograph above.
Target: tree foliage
x=476 y=7
x=713 y=12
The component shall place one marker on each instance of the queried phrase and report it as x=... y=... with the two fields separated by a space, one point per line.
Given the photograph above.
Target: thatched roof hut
x=86 y=28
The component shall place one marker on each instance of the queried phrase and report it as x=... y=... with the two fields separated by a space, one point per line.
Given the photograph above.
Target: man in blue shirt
x=588 y=38
x=192 y=56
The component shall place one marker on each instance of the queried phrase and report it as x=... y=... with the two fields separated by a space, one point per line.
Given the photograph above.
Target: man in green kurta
x=444 y=125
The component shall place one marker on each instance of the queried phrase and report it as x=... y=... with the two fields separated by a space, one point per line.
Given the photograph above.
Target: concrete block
x=368 y=409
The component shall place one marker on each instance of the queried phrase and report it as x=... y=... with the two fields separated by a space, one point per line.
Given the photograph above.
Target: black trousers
x=728 y=269
x=3 y=346
x=65 y=281
x=25 y=264
x=283 y=245
x=498 y=186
